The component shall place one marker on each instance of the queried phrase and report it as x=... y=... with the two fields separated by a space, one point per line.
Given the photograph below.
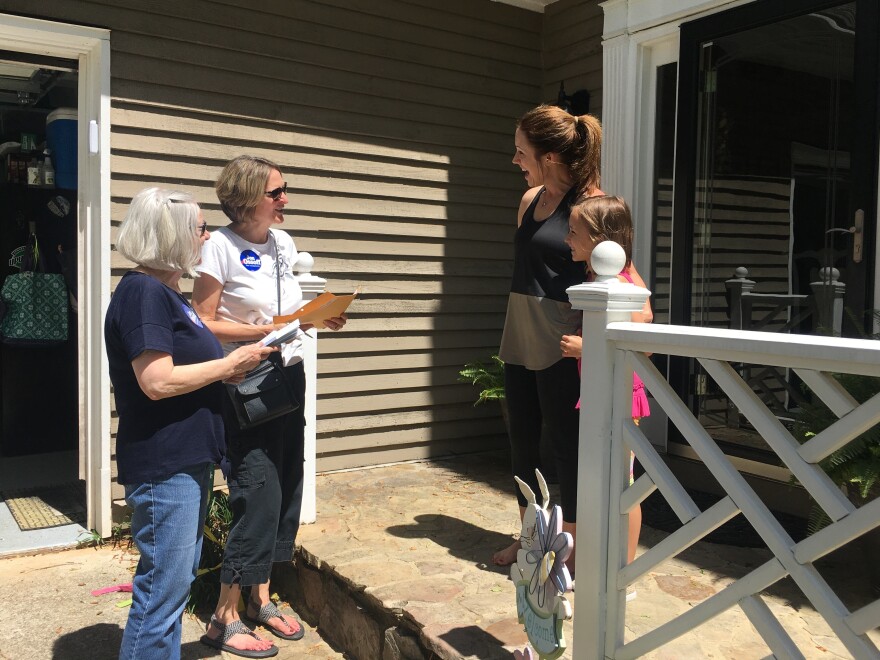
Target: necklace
x=544 y=196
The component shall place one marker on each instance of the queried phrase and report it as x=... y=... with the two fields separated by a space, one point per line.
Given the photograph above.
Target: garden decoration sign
x=540 y=574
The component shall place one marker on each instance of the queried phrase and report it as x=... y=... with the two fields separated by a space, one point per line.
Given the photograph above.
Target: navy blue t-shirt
x=159 y=438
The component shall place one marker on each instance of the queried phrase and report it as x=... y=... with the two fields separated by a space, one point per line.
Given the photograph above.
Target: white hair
x=159 y=231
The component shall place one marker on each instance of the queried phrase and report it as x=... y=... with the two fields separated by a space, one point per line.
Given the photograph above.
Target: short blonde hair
x=242 y=186
x=160 y=231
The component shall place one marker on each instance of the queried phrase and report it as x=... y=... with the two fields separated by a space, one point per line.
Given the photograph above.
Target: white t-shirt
x=247 y=272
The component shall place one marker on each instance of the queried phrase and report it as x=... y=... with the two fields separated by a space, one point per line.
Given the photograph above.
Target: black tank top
x=538 y=311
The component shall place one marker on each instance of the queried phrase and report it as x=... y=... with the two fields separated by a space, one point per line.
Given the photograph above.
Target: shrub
x=488 y=376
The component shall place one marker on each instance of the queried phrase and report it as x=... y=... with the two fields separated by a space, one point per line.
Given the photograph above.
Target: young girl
x=593 y=220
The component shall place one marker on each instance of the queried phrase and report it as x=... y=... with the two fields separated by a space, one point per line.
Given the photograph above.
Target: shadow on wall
x=394 y=126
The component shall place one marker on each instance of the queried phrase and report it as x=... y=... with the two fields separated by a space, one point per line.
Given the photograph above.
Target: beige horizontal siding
x=392 y=122
x=572 y=50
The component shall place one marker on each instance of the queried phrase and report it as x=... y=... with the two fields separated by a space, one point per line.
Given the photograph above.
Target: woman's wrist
x=262 y=330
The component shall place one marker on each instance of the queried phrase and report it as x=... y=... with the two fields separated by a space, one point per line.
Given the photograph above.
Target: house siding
x=392 y=122
x=572 y=50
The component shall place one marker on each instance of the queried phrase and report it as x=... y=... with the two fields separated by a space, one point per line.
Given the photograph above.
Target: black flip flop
x=270 y=611
x=227 y=631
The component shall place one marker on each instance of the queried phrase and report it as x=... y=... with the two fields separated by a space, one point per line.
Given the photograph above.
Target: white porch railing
x=616 y=348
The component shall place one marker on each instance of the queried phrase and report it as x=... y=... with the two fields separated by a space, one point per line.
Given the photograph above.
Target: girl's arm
x=572 y=345
x=646 y=315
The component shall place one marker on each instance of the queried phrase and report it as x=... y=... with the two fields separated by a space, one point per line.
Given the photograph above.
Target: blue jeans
x=166 y=525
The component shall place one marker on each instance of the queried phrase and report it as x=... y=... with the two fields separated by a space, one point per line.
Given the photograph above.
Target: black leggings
x=548 y=396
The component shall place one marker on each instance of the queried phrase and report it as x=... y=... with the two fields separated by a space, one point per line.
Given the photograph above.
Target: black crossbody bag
x=265 y=393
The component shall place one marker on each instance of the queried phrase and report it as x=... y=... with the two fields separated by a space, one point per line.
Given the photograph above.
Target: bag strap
x=277 y=270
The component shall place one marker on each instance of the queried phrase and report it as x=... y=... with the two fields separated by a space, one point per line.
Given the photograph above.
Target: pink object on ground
x=110 y=590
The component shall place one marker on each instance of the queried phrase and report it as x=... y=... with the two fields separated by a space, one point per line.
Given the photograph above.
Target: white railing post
x=603 y=301
x=312 y=286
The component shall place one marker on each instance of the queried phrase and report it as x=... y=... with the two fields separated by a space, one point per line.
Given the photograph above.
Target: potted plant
x=489 y=376
x=855 y=468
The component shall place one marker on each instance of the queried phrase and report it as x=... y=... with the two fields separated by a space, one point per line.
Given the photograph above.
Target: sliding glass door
x=775 y=186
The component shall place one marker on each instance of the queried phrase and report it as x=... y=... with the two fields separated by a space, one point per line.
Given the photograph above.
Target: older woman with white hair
x=166 y=368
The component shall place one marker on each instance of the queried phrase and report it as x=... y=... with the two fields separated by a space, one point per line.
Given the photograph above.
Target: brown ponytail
x=576 y=140
x=587 y=155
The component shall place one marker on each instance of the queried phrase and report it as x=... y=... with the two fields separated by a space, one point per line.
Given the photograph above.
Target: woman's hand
x=572 y=345
x=336 y=322
x=246 y=358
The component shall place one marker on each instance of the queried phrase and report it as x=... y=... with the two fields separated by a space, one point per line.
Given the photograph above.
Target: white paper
x=282 y=335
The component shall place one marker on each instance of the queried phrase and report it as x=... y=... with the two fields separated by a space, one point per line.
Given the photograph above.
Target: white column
x=618 y=116
x=312 y=286
x=604 y=301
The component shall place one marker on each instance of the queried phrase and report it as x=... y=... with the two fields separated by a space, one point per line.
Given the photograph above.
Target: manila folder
x=326 y=306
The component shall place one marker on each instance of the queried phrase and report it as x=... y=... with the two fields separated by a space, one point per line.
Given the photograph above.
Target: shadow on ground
x=102 y=641
x=98 y=642
x=473 y=641
x=464 y=540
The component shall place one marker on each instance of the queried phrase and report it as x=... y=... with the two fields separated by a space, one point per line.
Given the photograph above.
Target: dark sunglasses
x=202 y=228
x=276 y=193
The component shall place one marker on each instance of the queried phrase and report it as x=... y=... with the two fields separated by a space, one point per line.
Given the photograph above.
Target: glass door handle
x=857 y=231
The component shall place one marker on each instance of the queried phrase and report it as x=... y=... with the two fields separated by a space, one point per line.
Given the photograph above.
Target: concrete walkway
x=398 y=566
x=47 y=610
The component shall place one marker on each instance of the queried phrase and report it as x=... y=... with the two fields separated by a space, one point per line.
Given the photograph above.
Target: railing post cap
x=607 y=260
x=829 y=274
x=303 y=268
x=607 y=292
x=304 y=263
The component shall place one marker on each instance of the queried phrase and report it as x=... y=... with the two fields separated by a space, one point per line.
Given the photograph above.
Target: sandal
x=227 y=631
x=270 y=611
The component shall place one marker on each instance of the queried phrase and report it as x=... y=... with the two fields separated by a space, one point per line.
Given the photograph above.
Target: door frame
x=91 y=48
x=638 y=36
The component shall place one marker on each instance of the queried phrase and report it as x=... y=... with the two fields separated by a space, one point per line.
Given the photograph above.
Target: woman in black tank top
x=559 y=156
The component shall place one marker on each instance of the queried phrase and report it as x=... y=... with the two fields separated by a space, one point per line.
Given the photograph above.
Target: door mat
x=39 y=508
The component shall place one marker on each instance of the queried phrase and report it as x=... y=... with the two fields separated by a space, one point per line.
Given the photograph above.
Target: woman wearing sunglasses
x=246 y=279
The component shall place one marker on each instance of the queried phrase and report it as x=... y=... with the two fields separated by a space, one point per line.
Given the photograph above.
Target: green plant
x=121 y=533
x=89 y=539
x=855 y=467
x=205 y=588
x=489 y=376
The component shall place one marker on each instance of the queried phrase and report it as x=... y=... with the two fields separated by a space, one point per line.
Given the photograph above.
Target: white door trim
x=91 y=47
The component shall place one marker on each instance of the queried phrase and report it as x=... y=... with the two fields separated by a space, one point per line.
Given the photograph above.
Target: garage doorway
x=55 y=420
